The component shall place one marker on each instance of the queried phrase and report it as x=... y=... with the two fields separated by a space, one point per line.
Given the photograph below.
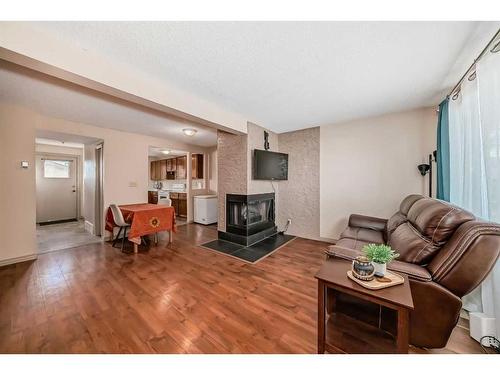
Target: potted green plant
x=379 y=255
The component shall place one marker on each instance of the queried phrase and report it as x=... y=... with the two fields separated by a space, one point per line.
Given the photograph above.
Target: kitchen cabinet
x=157 y=169
x=152 y=171
x=197 y=166
x=179 y=203
x=181 y=172
x=163 y=169
x=153 y=197
x=175 y=168
x=171 y=165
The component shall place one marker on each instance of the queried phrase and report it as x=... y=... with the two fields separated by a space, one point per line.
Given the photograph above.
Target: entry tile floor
x=63 y=236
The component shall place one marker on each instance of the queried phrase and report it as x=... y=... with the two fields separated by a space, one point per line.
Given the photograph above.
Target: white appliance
x=163 y=198
x=205 y=209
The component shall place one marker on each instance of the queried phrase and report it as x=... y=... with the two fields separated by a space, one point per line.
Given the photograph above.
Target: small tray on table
x=375 y=284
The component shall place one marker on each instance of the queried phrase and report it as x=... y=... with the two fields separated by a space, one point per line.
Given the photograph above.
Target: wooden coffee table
x=344 y=334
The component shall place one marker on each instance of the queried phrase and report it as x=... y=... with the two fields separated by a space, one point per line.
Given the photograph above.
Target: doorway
x=57 y=191
x=69 y=172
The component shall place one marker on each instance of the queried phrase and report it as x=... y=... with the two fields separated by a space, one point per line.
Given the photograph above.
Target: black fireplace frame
x=254 y=232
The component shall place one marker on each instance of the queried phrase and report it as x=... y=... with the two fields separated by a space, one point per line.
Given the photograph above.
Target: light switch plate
x=132 y=184
x=25 y=164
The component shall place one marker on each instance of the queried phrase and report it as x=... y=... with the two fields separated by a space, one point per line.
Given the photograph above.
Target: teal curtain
x=443 y=153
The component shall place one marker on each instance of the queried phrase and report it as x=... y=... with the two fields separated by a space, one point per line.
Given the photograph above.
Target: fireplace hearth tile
x=251 y=253
x=225 y=247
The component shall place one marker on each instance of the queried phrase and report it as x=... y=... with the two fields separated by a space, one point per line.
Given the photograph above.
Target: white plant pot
x=380 y=268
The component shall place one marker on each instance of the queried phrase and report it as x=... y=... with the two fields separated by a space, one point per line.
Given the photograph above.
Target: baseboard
x=89 y=227
x=327 y=239
x=24 y=258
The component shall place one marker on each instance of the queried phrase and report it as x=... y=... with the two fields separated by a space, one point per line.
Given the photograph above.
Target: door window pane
x=56 y=168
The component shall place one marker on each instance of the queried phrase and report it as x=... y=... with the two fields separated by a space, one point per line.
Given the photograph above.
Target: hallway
x=63 y=236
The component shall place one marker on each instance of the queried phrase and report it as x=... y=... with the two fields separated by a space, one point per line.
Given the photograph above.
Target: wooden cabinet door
x=153 y=197
x=182 y=205
x=181 y=168
x=175 y=205
x=197 y=166
x=157 y=170
x=163 y=169
x=169 y=165
x=152 y=171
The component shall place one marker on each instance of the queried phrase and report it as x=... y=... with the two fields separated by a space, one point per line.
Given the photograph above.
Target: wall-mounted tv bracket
x=266 y=140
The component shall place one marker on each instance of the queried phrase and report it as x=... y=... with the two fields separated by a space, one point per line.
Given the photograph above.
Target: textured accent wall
x=298 y=197
x=231 y=170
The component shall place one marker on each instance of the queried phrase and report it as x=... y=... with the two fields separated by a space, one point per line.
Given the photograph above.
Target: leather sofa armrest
x=368 y=222
x=413 y=271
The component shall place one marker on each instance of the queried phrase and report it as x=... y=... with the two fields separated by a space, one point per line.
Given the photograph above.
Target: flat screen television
x=268 y=165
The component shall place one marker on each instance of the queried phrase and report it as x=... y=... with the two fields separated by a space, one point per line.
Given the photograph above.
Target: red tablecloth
x=145 y=218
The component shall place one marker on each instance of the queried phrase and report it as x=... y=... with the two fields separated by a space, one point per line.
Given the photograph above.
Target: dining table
x=144 y=219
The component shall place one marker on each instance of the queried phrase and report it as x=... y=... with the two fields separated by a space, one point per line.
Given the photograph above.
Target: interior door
x=56 y=188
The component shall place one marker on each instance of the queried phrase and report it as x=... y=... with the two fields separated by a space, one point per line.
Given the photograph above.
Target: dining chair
x=120 y=222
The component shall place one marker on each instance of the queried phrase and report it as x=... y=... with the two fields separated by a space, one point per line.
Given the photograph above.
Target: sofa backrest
x=422 y=226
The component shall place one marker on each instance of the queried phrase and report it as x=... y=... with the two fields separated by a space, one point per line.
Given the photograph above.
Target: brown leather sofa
x=445 y=251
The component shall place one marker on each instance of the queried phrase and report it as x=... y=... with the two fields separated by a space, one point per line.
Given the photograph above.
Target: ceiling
x=60 y=99
x=156 y=152
x=292 y=75
x=48 y=137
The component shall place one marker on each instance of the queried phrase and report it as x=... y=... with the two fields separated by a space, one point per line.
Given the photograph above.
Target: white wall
x=368 y=166
x=17 y=185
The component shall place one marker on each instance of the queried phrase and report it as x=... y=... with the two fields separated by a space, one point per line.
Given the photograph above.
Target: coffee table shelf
x=344 y=334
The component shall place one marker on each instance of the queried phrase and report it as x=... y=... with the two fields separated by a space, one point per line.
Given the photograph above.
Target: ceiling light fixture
x=165 y=152
x=190 y=131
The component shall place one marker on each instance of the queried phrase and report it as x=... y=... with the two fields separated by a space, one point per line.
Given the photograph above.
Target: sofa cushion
x=437 y=220
x=411 y=245
x=394 y=221
x=400 y=217
x=363 y=234
x=352 y=243
x=408 y=202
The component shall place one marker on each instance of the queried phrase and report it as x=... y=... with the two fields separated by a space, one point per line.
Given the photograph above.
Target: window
x=56 y=168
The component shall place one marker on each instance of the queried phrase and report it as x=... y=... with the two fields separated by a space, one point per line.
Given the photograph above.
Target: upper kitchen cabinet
x=163 y=169
x=197 y=166
x=171 y=165
x=157 y=169
x=181 y=168
x=171 y=168
x=152 y=170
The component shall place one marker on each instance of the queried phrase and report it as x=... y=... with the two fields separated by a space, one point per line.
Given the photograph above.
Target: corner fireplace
x=249 y=218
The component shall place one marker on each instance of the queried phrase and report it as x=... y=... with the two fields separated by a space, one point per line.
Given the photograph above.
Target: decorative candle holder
x=363 y=269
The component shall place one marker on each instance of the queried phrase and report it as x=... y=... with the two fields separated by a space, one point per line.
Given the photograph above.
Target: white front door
x=56 y=188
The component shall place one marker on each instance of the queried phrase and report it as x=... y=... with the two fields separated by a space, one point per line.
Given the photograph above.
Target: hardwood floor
x=175 y=299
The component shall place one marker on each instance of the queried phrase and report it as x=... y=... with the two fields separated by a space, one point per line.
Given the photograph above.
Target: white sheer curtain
x=474 y=121
x=488 y=77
